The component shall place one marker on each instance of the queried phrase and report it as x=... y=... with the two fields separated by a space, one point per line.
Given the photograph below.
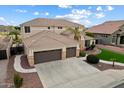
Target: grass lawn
x=108 y=55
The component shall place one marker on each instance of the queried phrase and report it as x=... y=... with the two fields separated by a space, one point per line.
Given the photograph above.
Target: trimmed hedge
x=92 y=59
x=82 y=54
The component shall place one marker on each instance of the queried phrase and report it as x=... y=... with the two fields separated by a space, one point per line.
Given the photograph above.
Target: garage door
x=70 y=52
x=46 y=56
x=3 y=54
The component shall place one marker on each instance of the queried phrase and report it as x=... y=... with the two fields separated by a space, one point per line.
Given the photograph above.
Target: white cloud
x=36 y=13
x=76 y=15
x=46 y=13
x=99 y=8
x=65 y=6
x=2 y=18
x=3 y=21
x=100 y=15
x=21 y=11
x=109 y=8
x=43 y=13
x=86 y=22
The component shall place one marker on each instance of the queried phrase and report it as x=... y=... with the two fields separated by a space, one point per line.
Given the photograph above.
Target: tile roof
x=48 y=40
x=50 y=22
x=107 y=27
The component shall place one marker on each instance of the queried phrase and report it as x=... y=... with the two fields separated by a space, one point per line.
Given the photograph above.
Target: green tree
x=89 y=34
x=77 y=35
x=14 y=34
x=76 y=32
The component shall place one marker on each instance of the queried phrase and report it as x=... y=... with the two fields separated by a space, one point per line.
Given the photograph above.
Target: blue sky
x=87 y=15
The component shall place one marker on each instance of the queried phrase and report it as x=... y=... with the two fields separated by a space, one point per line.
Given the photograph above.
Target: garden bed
x=30 y=80
x=103 y=66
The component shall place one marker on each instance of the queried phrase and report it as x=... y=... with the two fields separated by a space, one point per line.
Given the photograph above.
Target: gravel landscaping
x=30 y=80
x=24 y=62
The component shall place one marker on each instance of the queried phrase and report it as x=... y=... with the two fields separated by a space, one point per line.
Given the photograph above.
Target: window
x=59 y=27
x=27 y=29
x=49 y=27
x=122 y=40
x=104 y=35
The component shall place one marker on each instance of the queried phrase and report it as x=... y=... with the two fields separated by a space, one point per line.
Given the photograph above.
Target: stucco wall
x=104 y=40
x=35 y=30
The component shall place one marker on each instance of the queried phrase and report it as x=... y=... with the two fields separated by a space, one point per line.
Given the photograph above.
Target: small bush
x=18 y=81
x=82 y=54
x=92 y=59
x=92 y=46
x=89 y=34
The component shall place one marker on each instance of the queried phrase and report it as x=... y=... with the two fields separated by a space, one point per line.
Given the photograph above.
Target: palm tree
x=77 y=35
x=14 y=34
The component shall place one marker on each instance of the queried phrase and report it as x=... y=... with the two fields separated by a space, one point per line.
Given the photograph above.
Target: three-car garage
x=52 y=55
x=49 y=46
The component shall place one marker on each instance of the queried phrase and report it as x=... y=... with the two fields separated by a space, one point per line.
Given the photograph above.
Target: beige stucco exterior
x=37 y=29
x=40 y=37
x=30 y=54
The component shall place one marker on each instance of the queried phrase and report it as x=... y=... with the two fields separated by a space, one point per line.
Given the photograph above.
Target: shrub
x=92 y=59
x=17 y=81
x=92 y=46
x=82 y=54
x=89 y=34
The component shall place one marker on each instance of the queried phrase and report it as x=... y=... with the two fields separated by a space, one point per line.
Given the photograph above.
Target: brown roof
x=71 y=35
x=50 y=22
x=107 y=27
x=48 y=40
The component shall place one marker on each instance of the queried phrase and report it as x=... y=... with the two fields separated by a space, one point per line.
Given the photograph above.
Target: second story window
x=59 y=27
x=49 y=27
x=27 y=29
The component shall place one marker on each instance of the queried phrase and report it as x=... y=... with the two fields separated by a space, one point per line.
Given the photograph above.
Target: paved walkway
x=112 y=48
x=3 y=72
x=18 y=67
x=106 y=62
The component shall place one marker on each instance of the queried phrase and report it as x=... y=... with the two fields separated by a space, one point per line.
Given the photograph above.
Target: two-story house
x=40 y=24
x=43 y=42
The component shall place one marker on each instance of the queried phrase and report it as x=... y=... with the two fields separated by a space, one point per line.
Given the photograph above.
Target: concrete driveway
x=61 y=73
x=3 y=71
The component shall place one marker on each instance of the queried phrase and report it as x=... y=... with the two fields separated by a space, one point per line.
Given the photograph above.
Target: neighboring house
x=111 y=32
x=48 y=46
x=5 y=44
x=40 y=24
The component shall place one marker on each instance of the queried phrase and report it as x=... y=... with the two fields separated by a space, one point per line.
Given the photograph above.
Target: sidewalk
x=18 y=67
x=112 y=48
